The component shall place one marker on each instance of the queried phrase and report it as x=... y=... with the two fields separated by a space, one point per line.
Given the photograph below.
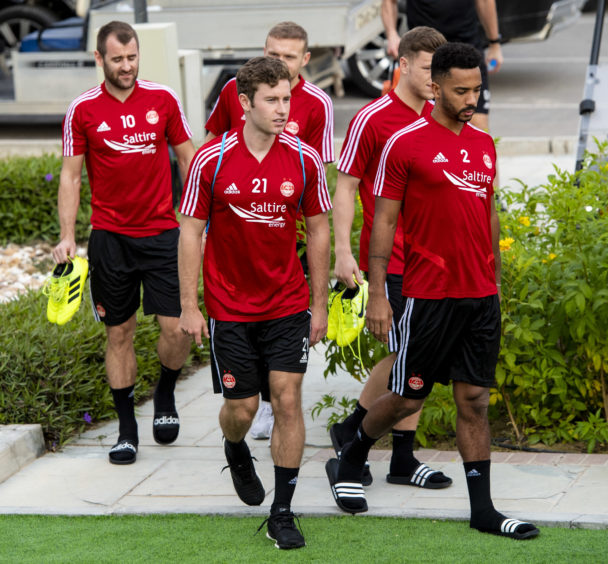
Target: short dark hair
x=123 y=32
x=421 y=38
x=289 y=30
x=260 y=70
x=453 y=55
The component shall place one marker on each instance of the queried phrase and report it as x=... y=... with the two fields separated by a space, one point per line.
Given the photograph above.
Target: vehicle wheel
x=370 y=66
x=16 y=22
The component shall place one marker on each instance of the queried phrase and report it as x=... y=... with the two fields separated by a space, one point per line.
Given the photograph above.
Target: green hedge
x=28 y=201
x=55 y=375
x=551 y=374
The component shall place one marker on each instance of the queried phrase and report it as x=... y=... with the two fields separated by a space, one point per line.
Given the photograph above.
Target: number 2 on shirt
x=465 y=156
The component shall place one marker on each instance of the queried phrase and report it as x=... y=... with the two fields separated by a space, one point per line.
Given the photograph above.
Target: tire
x=17 y=21
x=371 y=66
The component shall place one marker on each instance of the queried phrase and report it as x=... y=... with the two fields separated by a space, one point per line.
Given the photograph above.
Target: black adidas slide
x=367 y=477
x=123 y=452
x=349 y=496
x=165 y=427
x=513 y=529
x=421 y=477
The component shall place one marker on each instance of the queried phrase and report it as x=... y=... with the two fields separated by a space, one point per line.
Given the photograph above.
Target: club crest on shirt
x=487 y=160
x=292 y=127
x=287 y=188
x=152 y=117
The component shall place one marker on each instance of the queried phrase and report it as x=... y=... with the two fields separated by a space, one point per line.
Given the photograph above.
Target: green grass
x=194 y=538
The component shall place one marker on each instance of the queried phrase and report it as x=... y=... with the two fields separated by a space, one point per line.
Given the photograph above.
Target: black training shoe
x=246 y=482
x=283 y=531
x=338 y=440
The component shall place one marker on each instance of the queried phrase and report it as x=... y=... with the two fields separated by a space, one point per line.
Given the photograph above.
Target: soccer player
x=366 y=136
x=438 y=173
x=458 y=20
x=120 y=129
x=311 y=118
x=248 y=186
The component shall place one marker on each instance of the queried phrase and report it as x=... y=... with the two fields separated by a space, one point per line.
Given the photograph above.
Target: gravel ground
x=25 y=267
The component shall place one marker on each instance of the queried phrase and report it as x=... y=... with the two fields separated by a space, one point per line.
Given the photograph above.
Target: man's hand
x=66 y=249
x=346 y=267
x=379 y=316
x=318 y=324
x=494 y=58
x=192 y=322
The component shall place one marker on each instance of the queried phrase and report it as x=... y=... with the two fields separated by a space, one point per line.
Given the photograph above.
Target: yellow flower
x=505 y=244
x=552 y=256
x=524 y=220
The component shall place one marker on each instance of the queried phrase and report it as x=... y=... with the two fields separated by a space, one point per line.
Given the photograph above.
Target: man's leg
x=236 y=416
x=173 y=348
x=473 y=440
x=287 y=446
x=121 y=369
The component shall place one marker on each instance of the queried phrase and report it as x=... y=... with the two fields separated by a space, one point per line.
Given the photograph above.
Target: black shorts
x=443 y=340
x=120 y=265
x=393 y=287
x=244 y=352
x=483 y=104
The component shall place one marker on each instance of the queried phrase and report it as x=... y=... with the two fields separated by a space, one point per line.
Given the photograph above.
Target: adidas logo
x=293 y=481
x=103 y=127
x=439 y=158
x=166 y=420
x=232 y=189
x=473 y=473
x=304 y=358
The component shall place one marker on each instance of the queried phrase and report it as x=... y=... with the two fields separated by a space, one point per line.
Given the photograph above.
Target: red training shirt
x=126 y=155
x=367 y=134
x=251 y=270
x=445 y=182
x=311 y=116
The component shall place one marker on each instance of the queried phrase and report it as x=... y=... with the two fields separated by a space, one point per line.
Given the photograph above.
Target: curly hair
x=260 y=70
x=453 y=55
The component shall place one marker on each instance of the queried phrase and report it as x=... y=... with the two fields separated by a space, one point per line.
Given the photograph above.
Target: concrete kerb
x=19 y=445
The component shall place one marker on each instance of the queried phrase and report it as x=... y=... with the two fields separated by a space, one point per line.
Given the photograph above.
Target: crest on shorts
x=100 y=310
x=415 y=382
x=228 y=380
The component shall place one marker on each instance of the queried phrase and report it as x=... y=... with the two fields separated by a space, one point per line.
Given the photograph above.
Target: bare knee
x=240 y=412
x=121 y=336
x=287 y=403
x=472 y=401
x=404 y=407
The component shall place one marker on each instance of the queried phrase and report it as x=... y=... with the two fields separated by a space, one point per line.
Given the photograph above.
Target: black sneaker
x=283 y=531
x=246 y=482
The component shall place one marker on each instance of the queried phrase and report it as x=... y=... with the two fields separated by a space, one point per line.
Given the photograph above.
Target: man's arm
x=495 y=229
x=486 y=12
x=379 y=313
x=388 y=13
x=184 y=152
x=317 y=254
x=343 y=215
x=68 y=200
x=189 y=254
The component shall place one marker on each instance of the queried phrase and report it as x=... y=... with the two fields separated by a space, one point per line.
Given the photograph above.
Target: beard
x=120 y=79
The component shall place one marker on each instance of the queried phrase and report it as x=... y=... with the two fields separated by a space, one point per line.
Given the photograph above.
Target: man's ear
x=245 y=103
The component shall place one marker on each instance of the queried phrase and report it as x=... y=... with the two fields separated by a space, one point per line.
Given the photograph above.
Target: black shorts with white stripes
x=244 y=352
x=441 y=340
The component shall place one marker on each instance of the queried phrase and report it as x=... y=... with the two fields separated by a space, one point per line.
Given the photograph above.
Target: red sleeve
x=196 y=196
x=74 y=137
x=393 y=170
x=316 y=197
x=221 y=117
x=178 y=130
x=358 y=149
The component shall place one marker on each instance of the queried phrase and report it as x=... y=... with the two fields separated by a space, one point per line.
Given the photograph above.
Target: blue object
x=492 y=64
x=67 y=35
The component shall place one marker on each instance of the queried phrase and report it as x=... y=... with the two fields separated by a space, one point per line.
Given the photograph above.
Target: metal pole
x=587 y=106
x=141 y=11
